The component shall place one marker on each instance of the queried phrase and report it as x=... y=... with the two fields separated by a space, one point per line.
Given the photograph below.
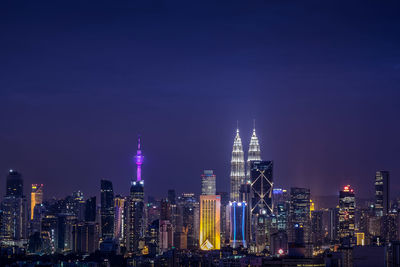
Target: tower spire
x=254 y=150
x=237 y=167
x=139 y=160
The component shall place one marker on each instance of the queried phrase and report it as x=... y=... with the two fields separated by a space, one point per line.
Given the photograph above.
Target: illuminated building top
x=139 y=161
x=254 y=151
x=237 y=167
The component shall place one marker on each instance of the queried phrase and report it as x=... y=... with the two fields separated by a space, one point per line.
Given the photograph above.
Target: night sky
x=80 y=81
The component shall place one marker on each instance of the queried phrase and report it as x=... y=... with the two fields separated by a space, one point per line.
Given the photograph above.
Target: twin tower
x=240 y=174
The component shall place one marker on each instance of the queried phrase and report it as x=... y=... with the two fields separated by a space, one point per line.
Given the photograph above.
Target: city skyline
x=137 y=161
x=209 y=133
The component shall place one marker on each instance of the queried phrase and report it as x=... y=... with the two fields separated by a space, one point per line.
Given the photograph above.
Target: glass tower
x=347 y=205
x=382 y=199
x=208 y=183
x=107 y=209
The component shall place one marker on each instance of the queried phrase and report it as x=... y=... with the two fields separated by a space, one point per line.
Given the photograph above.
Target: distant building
x=347 y=205
x=107 y=210
x=208 y=186
x=119 y=218
x=136 y=216
x=238 y=224
x=261 y=186
x=317 y=231
x=299 y=217
x=210 y=222
x=15 y=210
x=15 y=184
x=90 y=209
x=136 y=213
x=172 y=196
x=15 y=218
x=36 y=197
x=85 y=237
x=188 y=207
x=382 y=197
x=166 y=236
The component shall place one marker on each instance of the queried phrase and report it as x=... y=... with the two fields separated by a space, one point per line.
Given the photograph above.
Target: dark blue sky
x=79 y=82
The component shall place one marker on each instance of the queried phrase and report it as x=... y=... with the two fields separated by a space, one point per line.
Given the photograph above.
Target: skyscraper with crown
x=237 y=167
x=254 y=151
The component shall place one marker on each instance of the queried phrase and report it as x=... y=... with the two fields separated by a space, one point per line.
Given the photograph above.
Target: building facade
x=208 y=186
x=210 y=206
x=382 y=197
x=107 y=209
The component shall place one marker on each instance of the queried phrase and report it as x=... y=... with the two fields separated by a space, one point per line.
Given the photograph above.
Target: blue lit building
x=238 y=225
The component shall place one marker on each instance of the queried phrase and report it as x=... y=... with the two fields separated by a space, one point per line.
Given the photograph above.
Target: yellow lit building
x=36 y=197
x=360 y=239
x=210 y=206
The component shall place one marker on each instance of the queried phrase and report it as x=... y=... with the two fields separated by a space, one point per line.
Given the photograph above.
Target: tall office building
x=210 y=206
x=78 y=205
x=299 y=214
x=188 y=207
x=208 y=186
x=225 y=235
x=237 y=167
x=107 y=210
x=85 y=237
x=15 y=184
x=281 y=200
x=238 y=225
x=254 y=152
x=166 y=235
x=119 y=218
x=245 y=196
x=36 y=197
x=90 y=209
x=15 y=218
x=382 y=198
x=261 y=179
x=136 y=222
x=15 y=212
x=347 y=205
x=317 y=231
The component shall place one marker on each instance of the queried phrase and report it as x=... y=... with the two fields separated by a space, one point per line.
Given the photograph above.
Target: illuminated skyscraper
x=382 y=199
x=208 y=183
x=237 y=167
x=36 y=197
x=254 y=152
x=238 y=224
x=136 y=223
x=347 y=206
x=119 y=218
x=107 y=210
x=14 y=208
x=210 y=206
x=299 y=215
x=189 y=207
x=261 y=179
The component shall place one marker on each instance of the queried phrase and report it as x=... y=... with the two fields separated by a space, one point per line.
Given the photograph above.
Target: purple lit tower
x=139 y=161
x=136 y=220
